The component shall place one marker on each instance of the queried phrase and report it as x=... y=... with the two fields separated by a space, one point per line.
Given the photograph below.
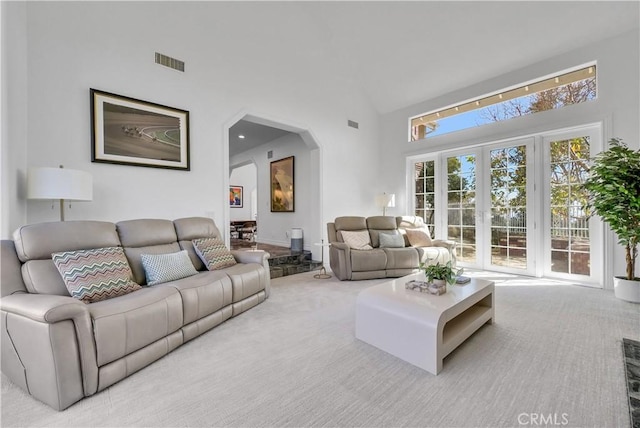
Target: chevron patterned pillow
x=214 y=253
x=160 y=268
x=94 y=275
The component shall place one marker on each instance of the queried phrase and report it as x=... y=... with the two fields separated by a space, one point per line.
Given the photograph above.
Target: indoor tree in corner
x=614 y=194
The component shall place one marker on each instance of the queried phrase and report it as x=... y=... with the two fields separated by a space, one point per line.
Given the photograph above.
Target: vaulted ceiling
x=401 y=53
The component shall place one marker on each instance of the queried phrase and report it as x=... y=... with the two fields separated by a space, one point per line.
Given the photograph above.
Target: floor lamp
x=386 y=200
x=59 y=183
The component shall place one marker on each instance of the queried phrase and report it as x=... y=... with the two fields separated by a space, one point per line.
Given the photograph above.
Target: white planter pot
x=625 y=289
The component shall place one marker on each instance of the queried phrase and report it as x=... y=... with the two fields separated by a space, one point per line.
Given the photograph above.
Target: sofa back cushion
x=381 y=224
x=146 y=236
x=349 y=223
x=190 y=228
x=35 y=243
x=11 y=280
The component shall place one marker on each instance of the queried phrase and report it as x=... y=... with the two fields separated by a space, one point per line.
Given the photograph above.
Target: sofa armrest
x=44 y=307
x=256 y=256
x=449 y=245
x=253 y=256
x=340 y=260
x=49 y=347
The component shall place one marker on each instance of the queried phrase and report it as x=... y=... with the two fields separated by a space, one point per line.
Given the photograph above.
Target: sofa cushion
x=146 y=236
x=159 y=268
x=357 y=240
x=214 y=253
x=247 y=279
x=127 y=323
x=362 y=261
x=202 y=294
x=134 y=255
x=97 y=274
x=350 y=223
x=401 y=258
x=380 y=224
x=37 y=241
x=419 y=237
x=43 y=277
x=389 y=240
x=190 y=228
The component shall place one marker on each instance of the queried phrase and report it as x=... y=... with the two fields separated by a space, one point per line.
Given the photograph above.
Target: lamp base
x=323 y=274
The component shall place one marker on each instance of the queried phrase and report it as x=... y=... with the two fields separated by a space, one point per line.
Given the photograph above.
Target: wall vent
x=167 y=61
x=269 y=154
x=352 y=124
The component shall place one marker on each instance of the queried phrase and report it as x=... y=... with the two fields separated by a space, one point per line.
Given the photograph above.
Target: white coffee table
x=422 y=328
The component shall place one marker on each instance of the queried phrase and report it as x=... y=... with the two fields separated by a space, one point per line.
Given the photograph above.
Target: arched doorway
x=282 y=140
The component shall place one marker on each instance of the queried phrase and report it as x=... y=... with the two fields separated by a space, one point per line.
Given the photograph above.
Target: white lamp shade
x=386 y=200
x=59 y=183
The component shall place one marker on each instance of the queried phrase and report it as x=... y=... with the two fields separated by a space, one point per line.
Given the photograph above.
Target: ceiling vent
x=167 y=61
x=352 y=124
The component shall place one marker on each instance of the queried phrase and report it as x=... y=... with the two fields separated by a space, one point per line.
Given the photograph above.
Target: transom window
x=548 y=93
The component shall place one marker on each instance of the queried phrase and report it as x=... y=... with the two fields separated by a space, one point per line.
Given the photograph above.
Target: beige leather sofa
x=350 y=263
x=60 y=349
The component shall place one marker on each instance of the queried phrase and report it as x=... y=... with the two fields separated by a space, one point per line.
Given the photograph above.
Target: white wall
x=13 y=111
x=245 y=176
x=617 y=106
x=274 y=228
x=239 y=57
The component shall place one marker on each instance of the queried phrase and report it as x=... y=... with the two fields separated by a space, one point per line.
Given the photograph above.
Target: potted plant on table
x=440 y=275
x=613 y=188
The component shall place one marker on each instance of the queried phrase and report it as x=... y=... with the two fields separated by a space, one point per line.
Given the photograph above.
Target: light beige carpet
x=554 y=351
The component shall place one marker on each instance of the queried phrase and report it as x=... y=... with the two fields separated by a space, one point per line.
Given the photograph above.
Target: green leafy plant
x=614 y=195
x=442 y=272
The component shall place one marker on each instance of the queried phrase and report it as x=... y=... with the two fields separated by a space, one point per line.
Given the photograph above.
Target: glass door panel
x=425 y=200
x=570 y=234
x=461 y=206
x=508 y=224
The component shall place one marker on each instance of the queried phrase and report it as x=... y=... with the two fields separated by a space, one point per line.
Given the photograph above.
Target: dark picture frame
x=282 y=185
x=235 y=196
x=128 y=131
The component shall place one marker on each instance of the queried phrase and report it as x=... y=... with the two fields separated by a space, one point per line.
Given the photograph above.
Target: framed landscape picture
x=235 y=196
x=282 y=186
x=134 y=132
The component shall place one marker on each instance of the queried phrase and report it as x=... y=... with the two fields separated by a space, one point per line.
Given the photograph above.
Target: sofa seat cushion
x=202 y=294
x=124 y=324
x=366 y=260
x=246 y=279
x=433 y=255
x=401 y=258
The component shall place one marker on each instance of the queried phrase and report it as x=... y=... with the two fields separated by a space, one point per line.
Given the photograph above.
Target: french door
x=515 y=206
x=488 y=201
x=573 y=243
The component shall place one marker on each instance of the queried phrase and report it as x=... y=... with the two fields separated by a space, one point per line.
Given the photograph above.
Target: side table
x=323 y=272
